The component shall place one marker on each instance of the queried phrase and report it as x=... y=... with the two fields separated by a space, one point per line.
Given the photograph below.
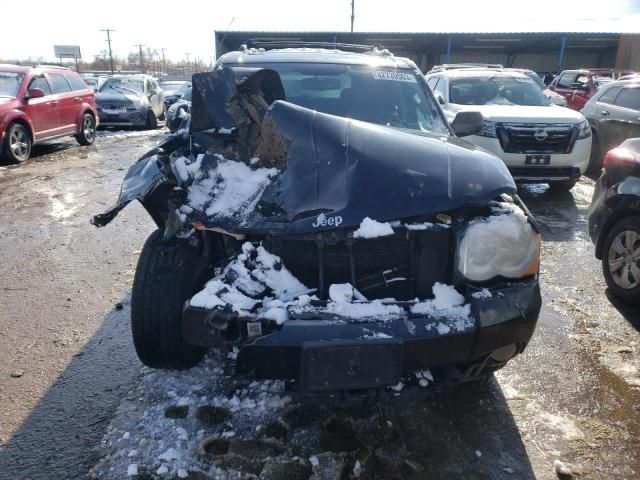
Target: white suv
x=538 y=141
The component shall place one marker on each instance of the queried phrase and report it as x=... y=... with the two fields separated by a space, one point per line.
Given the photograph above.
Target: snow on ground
x=370 y=228
x=160 y=427
x=128 y=133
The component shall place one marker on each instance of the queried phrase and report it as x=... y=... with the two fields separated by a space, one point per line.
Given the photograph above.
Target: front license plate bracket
x=350 y=365
x=537 y=160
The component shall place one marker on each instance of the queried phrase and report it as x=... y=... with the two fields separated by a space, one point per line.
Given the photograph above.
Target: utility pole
x=188 y=64
x=164 y=63
x=108 y=30
x=139 y=45
x=353 y=15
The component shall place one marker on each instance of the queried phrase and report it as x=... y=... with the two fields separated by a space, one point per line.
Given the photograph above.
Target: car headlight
x=584 y=130
x=504 y=245
x=488 y=129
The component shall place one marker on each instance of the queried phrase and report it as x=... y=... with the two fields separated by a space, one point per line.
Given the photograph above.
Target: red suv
x=41 y=103
x=578 y=86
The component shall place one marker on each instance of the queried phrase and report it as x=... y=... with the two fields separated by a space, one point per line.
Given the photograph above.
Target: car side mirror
x=439 y=98
x=34 y=93
x=579 y=86
x=552 y=87
x=468 y=123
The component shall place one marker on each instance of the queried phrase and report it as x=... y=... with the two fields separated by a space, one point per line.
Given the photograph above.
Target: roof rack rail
x=460 y=66
x=275 y=44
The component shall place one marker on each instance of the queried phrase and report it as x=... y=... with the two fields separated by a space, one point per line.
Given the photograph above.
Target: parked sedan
x=42 y=103
x=178 y=111
x=614 y=220
x=131 y=100
x=614 y=116
x=174 y=90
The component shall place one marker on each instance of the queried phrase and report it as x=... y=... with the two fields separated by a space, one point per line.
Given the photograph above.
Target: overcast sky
x=188 y=26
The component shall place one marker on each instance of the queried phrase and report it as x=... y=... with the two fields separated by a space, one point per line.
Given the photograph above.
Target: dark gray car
x=130 y=100
x=614 y=116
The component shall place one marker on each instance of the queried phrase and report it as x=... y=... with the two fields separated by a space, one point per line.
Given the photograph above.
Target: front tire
x=595 y=160
x=168 y=273
x=17 y=143
x=87 y=134
x=621 y=259
x=152 y=121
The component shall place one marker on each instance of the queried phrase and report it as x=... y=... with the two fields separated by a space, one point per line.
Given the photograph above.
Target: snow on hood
x=525 y=114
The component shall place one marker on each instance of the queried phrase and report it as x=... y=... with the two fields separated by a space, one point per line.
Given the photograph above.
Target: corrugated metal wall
x=539 y=62
x=628 y=53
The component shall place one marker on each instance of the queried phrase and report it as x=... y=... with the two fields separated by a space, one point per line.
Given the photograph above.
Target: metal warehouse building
x=542 y=52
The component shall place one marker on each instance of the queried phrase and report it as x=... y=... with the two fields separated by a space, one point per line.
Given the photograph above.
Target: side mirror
x=552 y=87
x=468 y=123
x=34 y=93
x=439 y=98
x=579 y=86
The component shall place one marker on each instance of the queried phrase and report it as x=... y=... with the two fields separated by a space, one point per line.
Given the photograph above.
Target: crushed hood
x=324 y=171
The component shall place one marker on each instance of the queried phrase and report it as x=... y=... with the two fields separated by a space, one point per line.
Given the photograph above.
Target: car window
x=496 y=90
x=629 y=98
x=582 y=80
x=610 y=95
x=396 y=98
x=42 y=84
x=566 y=80
x=58 y=83
x=441 y=88
x=76 y=82
x=9 y=84
x=432 y=82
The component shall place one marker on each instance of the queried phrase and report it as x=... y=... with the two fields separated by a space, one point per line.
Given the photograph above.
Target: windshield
x=536 y=78
x=123 y=85
x=496 y=90
x=395 y=98
x=9 y=84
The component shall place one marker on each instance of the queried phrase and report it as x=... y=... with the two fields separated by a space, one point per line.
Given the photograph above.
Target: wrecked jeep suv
x=321 y=219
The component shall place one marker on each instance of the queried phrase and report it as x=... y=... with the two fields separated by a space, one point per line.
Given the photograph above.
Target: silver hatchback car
x=130 y=100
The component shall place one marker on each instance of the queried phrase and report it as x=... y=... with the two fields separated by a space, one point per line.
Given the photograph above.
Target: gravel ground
x=77 y=402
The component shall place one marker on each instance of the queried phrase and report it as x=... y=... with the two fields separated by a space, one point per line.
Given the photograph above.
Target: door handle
x=77 y=99
x=604 y=113
x=53 y=102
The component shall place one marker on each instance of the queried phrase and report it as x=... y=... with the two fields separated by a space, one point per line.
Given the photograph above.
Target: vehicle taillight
x=619 y=157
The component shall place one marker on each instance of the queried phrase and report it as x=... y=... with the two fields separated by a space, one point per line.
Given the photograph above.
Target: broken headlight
x=502 y=245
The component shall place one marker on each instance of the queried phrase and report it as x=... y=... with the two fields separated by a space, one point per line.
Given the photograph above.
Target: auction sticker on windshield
x=394 y=76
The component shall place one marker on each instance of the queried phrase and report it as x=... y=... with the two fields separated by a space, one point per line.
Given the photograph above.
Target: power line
x=108 y=30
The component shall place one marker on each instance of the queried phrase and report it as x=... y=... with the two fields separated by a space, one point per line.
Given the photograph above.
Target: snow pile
x=372 y=229
x=447 y=305
x=424 y=226
x=230 y=190
x=245 y=282
x=375 y=309
x=484 y=293
x=168 y=446
x=344 y=292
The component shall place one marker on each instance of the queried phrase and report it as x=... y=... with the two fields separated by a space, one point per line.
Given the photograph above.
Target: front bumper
x=561 y=168
x=326 y=353
x=134 y=118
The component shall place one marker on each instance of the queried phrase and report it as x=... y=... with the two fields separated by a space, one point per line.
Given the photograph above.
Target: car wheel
x=87 y=134
x=621 y=259
x=152 y=121
x=168 y=273
x=562 y=186
x=595 y=160
x=17 y=143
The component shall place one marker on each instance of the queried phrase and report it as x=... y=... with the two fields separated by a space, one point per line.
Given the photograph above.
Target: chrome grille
x=536 y=138
x=121 y=107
